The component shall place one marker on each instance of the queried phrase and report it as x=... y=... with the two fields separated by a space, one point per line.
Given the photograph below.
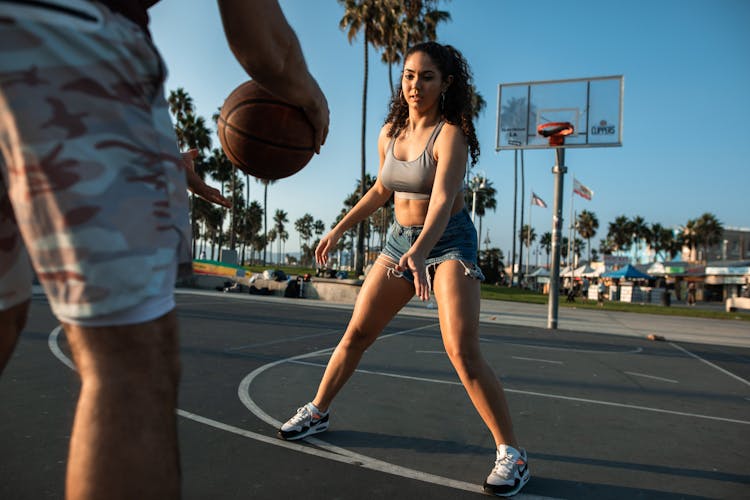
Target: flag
x=535 y=200
x=582 y=190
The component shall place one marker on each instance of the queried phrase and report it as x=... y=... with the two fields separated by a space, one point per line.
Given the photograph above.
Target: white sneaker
x=306 y=422
x=510 y=474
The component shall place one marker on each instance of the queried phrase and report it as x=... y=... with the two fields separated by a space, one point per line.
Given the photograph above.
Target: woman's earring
x=442 y=100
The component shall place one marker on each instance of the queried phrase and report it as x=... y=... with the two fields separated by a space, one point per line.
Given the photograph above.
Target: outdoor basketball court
x=601 y=415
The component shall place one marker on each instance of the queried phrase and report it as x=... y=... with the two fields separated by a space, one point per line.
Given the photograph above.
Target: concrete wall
x=333 y=290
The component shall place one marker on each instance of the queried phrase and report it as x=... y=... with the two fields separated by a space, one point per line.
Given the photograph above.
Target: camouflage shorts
x=92 y=185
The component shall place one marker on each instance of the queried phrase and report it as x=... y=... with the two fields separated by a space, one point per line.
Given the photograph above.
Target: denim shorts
x=458 y=242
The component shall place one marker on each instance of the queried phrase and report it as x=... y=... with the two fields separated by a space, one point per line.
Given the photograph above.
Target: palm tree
x=485 y=200
x=586 y=225
x=708 y=233
x=545 y=241
x=251 y=224
x=283 y=236
x=619 y=236
x=527 y=235
x=304 y=227
x=266 y=183
x=378 y=20
x=180 y=105
x=405 y=23
x=213 y=222
x=319 y=227
x=191 y=132
x=279 y=219
x=662 y=240
x=365 y=16
x=639 y=230
x=689 y=238
x=578 y=247
x=237 y=199
x=269 y=238
x=221 y=170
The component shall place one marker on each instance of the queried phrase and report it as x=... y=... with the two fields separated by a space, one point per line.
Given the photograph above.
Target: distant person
x=571 y=292
x=691 y=293
x=432 y=246
x=93 y=188
x=601 y=293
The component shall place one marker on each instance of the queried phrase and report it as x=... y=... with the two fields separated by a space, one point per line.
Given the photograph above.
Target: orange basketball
x=263 y=135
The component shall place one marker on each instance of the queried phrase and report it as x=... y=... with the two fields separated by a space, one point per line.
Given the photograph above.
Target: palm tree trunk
x=234 y=209
x=265 y=220
x=192 y=220
x=359 y=257
x=521 y=242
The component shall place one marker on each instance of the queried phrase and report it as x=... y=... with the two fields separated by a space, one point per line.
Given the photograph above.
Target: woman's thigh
x=381 y=297
x=457 y=295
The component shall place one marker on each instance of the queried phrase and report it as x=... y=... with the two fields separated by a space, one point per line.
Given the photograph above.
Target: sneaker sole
x=309 y=432
x=524 y=479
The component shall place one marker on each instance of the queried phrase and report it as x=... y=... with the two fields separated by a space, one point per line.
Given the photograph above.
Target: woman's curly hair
x=457 y=108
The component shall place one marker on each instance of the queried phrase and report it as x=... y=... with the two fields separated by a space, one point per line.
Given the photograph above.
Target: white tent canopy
x=539 y=273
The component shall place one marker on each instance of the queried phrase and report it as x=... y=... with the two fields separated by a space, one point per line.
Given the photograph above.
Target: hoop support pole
x=554 y=286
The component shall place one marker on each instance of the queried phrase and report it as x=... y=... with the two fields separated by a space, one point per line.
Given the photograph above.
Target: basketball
x=262 y=135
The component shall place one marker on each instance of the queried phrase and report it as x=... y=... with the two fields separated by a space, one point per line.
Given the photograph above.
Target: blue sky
x=686 y=66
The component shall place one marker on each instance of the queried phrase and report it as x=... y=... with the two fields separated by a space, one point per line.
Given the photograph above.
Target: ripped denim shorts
x=458 y=242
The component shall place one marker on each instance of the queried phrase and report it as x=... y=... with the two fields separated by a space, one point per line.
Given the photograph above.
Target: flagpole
x=528 y=235
x=570 y=227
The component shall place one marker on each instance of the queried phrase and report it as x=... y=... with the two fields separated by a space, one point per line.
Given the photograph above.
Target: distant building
x=733 y=245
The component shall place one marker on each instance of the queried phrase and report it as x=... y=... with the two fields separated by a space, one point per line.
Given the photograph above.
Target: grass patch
x=288 y=270
x=492 y=292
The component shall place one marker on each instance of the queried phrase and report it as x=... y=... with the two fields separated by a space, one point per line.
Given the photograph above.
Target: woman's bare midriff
x=413 y=212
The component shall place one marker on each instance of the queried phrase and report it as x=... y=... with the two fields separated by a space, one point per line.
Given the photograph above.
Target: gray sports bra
x=413 y=179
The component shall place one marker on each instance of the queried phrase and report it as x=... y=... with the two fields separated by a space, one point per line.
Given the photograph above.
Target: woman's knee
x=357 y=339
x=465 y=357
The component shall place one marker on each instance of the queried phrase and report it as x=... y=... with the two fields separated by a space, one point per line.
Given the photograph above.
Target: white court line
x=243 y=391
x=55 y=348
x=531 y=393
x=726 y=372
x=367 y=463
x=335 y=453
x=567 y=349
x=284 y=340
x=652 y=377
x=539 y=360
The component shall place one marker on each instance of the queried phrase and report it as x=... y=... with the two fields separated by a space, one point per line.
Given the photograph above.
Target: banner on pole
x=582 y=190
x=535 y=200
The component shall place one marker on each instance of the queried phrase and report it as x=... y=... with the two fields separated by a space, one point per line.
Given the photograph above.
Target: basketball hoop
x=555 y=131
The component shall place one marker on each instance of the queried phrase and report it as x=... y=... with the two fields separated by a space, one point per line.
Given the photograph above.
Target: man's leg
x=12 y=321
x=124 y=441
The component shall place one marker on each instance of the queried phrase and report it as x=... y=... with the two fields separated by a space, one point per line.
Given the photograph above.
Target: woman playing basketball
x=432 y=246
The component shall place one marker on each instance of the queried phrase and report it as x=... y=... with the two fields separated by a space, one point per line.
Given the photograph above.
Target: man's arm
x=266 y=46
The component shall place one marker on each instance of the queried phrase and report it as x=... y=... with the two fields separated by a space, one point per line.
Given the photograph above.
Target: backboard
x=592 y=105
